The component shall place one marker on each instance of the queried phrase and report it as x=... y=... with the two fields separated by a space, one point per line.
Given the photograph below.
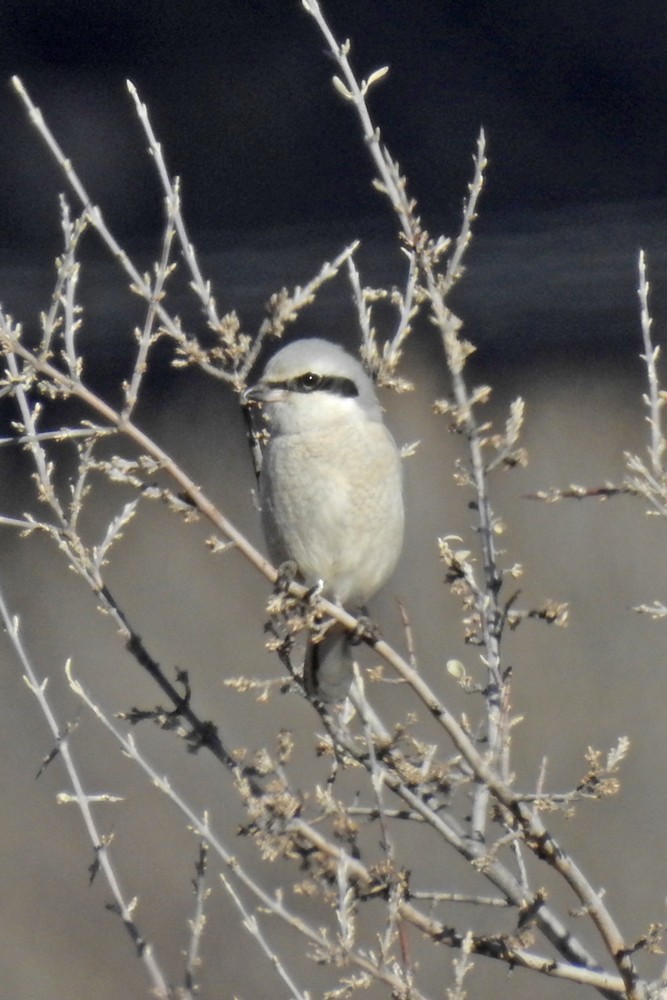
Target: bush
x=402 y=832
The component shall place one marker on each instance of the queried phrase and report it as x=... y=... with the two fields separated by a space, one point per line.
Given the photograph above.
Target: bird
x=330 y=489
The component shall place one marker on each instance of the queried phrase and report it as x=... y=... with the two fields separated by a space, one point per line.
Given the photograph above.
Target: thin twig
x=100 y=842
x=197 y=925
x=653 y=401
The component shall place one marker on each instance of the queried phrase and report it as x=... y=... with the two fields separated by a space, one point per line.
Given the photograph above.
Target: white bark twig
x=100 y=842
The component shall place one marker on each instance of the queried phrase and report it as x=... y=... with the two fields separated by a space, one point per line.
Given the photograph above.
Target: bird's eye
x=309 y=381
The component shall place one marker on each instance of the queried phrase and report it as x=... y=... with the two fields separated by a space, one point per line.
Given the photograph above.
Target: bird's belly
x=340 y=520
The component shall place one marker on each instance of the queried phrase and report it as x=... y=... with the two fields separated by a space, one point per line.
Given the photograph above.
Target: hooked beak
x=263 y=392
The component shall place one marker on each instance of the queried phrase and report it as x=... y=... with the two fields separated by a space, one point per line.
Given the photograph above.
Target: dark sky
x=573 y=97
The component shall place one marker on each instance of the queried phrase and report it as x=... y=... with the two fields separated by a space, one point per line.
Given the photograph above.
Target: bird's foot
x=313 y=593
x=287 y=574
x=365 y=631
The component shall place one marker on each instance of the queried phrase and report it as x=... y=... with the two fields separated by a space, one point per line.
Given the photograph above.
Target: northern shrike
x=330 y=489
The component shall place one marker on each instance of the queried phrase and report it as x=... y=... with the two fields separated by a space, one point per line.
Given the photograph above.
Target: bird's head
x=312 y=384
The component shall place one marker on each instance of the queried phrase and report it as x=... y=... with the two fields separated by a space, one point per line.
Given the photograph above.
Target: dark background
x=275 y=179
x=572 y=97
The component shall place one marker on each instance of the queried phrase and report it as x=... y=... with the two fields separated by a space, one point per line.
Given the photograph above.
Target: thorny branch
x=410 y=780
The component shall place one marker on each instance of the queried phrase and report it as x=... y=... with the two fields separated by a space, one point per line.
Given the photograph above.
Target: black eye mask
x=337 y=385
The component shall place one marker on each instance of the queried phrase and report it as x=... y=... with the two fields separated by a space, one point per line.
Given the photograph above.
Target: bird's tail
x=328 y=667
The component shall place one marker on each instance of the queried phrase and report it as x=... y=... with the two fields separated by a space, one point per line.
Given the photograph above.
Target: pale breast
x=332 y=502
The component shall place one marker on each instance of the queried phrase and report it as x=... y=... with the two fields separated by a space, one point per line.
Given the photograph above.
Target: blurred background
x=276 y=180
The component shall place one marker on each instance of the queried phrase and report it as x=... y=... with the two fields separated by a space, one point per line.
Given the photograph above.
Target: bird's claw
x=286 y=575
x=365 y=631
x=314 y=592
